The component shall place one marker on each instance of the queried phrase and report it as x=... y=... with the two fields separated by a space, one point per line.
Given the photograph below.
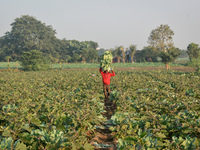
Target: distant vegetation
x=27 y=34
x=17 y=65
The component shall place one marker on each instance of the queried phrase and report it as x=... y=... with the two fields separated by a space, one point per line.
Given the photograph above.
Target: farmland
x=61 y=109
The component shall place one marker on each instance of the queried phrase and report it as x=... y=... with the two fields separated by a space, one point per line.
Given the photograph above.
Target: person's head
x=106 y=71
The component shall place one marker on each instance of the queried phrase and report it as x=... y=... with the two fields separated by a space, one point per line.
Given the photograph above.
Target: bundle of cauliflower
x=106 y=60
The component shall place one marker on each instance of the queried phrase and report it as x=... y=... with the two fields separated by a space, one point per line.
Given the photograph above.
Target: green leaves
x=20 y=146
x=6 y=132
x=106 y=60
x=44 y=110
x=160 y=135
x=6 y=143
x=34 y=61
x=35 y=121
x=160 y=107
x=50 y=109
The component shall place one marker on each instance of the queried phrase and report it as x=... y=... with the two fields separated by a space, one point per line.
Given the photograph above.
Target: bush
x=34 y=61
x=194 y=63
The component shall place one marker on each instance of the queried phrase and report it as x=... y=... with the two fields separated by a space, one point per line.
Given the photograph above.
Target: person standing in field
x=106 y=82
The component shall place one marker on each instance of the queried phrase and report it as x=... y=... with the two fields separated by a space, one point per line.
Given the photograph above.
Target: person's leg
x=108 y=89
x=104 y=90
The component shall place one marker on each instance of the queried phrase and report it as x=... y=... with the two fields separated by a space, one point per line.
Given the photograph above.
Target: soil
x=104 y=135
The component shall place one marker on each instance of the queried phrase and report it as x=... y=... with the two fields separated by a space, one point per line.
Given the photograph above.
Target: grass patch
x=15 y=65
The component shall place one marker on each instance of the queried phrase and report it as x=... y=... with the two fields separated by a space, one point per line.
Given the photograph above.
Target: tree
x=101 y=51
x=8 y=58
x=132 y=49
x=123 y=55
x=27 y=33
x=161 y=41
x=193 y=51
x=148 y=54
x=91 y=44
x=170 y=55
x=92 y=55
x=84 y=55
x=67 y=58
x=2 y=53
x=75 y=57
x=161 y=38
x=184 y=54
x=119 y=52
x=34 y=61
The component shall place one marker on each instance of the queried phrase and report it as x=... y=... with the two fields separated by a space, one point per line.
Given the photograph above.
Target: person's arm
x=100 y=70
x=113 y=73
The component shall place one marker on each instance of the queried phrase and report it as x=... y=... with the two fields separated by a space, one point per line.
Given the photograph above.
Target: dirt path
x=104 y=138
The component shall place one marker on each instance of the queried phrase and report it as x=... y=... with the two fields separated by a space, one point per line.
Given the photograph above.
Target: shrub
x=34 y=61
x=194 y=63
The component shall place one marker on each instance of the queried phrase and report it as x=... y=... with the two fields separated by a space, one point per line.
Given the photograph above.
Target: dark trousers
x=106 y=88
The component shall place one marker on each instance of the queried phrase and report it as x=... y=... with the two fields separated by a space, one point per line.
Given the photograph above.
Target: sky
x=110 y=23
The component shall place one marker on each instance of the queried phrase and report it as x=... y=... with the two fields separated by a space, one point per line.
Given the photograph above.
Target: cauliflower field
x=60 y=109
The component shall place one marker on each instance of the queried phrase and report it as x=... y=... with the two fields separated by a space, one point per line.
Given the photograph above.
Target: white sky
x=110 y=23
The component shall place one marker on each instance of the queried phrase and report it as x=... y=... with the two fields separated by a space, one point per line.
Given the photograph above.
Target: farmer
x=106 y=81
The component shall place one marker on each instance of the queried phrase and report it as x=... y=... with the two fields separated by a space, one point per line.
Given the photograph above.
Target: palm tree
x=8 y=58
x=119 y=52
x=123 y=55
x=132 y=50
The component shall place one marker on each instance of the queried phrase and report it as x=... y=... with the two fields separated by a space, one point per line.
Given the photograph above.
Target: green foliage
x=170 y=54
x=56 y=109
x=6 y=144
x=75 y=57
x=161 y=38
x=132 y=49
x=193 y=51
x=106 y=60
x=194 y=62
x=147 y=54
x=15 y=65
x=118 y=52
x=68 y=58
x=53 y=139
x=27 y=33
x=156 y=110
x=101 y=51
x=92 y=55
x=48 y=111
x=34 y=61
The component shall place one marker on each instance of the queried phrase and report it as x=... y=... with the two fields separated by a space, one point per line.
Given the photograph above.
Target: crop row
x=48 y=110
x=160 y=110
x=60 y=109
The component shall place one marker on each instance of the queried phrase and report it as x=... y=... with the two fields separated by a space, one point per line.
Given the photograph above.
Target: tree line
x=160 y=46
x=27 y=33
x=29 y=37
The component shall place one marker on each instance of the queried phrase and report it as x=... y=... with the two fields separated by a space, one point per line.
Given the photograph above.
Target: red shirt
x=106 y=77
